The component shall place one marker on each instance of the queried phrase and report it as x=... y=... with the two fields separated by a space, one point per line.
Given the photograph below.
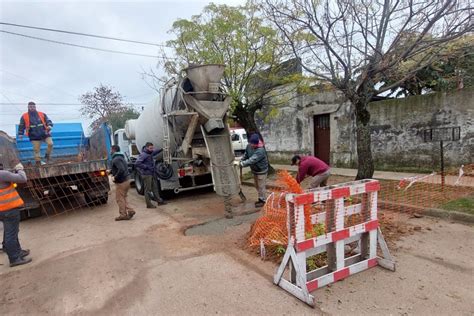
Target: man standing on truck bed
x=313 y=167
x=255 y=156
x=37 y=126
x=146 y=166
x=10 y=203
x=119 y=171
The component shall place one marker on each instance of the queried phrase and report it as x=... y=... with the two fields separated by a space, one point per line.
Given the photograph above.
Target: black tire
x=139 y=185
x=104 y=199
x=97 y=201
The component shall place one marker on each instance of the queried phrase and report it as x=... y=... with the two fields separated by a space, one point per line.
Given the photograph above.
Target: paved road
x=85 y=263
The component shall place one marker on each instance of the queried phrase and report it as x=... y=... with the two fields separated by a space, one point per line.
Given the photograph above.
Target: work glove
x=19 y=167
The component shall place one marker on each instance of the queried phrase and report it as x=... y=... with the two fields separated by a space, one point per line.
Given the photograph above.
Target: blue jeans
x=11 y=227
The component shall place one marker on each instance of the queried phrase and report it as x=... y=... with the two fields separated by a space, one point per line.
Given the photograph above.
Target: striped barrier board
x=367 y=234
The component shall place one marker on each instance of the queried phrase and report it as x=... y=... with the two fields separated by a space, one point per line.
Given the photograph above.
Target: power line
x=8 y=99
x=36 y=82
x=84 y=34
x=55 y=103
x=82 y=46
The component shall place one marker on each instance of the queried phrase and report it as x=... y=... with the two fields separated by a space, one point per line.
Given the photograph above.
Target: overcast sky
x=46 y=73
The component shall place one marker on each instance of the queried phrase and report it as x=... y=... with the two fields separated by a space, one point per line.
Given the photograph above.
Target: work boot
x=130 y=214
x=122 y=218
x=24 y=252
x=20 y=261
x=161 y=202
x=259 y=203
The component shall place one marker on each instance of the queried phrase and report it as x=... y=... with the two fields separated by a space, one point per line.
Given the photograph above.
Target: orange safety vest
x=26 y=118
x=9 y=199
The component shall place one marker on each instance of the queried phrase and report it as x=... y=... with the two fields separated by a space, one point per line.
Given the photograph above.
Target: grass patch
x=465 y=204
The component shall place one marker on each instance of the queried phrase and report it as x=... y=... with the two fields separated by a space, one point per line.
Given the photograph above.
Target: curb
x=450 y=215
x=433 y=212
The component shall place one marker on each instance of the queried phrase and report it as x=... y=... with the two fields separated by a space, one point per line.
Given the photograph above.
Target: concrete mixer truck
x=188 y=120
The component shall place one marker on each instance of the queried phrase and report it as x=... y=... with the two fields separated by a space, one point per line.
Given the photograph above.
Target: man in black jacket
x=120 y=172
x=37 y=126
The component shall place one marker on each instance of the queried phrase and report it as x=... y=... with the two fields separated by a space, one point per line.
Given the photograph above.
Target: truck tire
x=104 y=199
x=96 y=201
x=139 y=185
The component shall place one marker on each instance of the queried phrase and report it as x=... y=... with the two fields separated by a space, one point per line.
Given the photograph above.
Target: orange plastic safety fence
x=271 y=227
x=451 y=191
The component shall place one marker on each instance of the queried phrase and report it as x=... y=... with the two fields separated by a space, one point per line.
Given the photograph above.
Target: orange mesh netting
x=271 y=227
x=417 y=194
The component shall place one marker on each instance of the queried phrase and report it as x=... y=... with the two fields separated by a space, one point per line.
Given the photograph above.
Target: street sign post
x=442 y=135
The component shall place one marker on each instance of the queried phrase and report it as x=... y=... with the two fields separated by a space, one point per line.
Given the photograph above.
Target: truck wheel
x=103 y=199
x=96 y=201
x=139 y=186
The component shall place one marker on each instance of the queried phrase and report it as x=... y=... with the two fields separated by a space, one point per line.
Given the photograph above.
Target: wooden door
x=322 y=137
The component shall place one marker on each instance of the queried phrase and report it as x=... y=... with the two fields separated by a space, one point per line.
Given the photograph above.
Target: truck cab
x=239 y=140
x=127 y=146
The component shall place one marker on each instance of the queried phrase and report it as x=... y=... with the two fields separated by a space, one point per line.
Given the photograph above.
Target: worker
x=145 y=164
x=313 y=167
x=120 y=173
x=37 y=126
x=255 y=156
x=10 y=204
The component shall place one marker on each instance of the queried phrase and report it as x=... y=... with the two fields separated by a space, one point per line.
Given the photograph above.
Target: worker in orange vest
x=10 y=203
x=37 y=126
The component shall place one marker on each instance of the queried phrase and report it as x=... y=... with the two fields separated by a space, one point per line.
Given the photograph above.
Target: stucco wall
x=288 y=128
x=396 y=125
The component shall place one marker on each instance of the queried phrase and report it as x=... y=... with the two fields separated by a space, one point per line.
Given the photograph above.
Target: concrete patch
x=219 y=226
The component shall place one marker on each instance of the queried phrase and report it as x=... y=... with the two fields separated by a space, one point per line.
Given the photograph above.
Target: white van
x=239 y=140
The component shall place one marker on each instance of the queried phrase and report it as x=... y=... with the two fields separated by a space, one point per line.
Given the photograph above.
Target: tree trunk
x=245 y=117
x=365 y=168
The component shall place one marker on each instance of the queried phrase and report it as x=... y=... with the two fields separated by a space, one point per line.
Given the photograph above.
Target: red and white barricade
x=334 y=213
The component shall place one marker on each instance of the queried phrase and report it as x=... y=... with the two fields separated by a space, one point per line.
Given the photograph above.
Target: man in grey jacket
x=255 y=156
x=10 y=204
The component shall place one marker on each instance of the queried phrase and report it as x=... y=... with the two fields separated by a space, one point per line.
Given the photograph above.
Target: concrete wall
x=396 y=124
x=288 y=128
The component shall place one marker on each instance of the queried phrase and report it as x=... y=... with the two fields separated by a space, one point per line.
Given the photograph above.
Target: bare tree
x=101 y=105
x=356 y=44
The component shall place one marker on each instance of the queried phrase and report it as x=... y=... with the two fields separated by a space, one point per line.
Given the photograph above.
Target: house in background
x=323 y=124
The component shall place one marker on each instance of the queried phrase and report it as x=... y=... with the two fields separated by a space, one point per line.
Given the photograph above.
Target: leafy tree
x=356 y=44
x=453 y=69
x=117 y=120
x=105 y=105
x=251 y=50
